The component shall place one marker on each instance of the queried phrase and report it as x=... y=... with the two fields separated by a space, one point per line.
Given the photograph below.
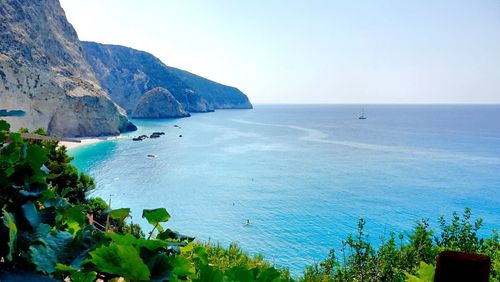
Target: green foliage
x=95 y=206
x=10 y=223
x=156 y=216
x=425 y=273
x=412 y=259
x=122 y=260
x=460 y=234
x=120 y=214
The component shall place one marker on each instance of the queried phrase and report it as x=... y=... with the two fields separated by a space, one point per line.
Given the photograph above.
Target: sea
x=303 y=175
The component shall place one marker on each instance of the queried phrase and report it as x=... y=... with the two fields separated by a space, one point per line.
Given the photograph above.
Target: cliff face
x=159 y=103
x=43 y=73
x=219 y=96
x=127 y=74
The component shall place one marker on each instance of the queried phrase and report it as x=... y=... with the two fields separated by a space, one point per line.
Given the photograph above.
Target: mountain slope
x=219 y=96
x=127 y=74
x=43 y=73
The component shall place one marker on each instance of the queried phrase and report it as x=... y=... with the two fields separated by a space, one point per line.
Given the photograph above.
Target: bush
x=410 y=261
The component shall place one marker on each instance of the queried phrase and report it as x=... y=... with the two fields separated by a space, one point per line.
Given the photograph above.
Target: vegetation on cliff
x=49 y=226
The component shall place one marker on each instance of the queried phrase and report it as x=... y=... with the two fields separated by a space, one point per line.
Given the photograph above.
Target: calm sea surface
x=303 y=174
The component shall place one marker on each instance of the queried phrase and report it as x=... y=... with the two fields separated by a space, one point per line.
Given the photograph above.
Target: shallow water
x=304 y=174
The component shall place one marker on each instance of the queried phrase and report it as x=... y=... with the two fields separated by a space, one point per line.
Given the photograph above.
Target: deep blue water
x=304 y=174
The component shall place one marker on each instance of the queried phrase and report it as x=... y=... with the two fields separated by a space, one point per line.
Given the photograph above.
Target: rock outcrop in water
x=159 y=103
x=43 y=73
x=127 y=74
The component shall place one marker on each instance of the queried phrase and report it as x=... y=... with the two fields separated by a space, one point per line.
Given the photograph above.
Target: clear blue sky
x=369 y=51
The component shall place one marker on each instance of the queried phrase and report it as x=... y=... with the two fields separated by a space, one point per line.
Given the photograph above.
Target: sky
x=277 y=51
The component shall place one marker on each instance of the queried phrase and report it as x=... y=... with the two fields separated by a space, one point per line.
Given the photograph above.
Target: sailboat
x=362 y=116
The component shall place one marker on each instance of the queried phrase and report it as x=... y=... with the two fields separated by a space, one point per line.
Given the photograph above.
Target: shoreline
x=84 y=141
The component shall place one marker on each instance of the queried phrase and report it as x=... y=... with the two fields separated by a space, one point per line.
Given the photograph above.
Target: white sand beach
x=86 y=141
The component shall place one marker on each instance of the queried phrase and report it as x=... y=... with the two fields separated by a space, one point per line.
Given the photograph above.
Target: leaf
x=160 y=267
x=129 y=239
x=73 y=214
x=80 y=276
x=16 y=137
x=239 y=273
x=120 y=214
x=425 y=273
x=10 y=223
x=155 y=216
x=270 y=274
x=201 y=255
x=123 y=260
x=73 y=228
x=209 y=274
x=181 y=266
x=64 y=268
x=169 y=234
x=50 y=248
x=31 y=214
x=36 y=157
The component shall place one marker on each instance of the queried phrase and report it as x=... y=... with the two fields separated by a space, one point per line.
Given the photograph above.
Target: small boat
x=362 y=116
x=151 y=156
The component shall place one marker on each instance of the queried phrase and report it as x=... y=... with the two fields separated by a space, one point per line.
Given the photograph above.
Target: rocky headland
x=51 y=80
x=159 y=103
x=44 y=74
x=127 y=74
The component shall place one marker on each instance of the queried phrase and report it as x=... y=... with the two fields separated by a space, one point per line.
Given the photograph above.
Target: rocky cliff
x=127 y=74
x=159 y=103
x=43 y=73
x=218 y=96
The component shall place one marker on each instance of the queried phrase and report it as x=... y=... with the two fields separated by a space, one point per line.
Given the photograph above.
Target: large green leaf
x=10 y=222
x=209 y=274
x=181 y=266
x=36 y=157
x=80 y=276
x=239 y=273
x=73 y=214
x=123 y=260
x=120 y=214
x=129 y=239
x=31 y=214
x=425 y=273
x=50 y=248
x=160 y=267
x=156 y=216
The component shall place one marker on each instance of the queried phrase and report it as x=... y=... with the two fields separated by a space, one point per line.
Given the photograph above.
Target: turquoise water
x=303 y=175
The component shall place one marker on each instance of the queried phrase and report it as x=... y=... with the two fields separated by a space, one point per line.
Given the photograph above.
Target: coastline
x=84 y=141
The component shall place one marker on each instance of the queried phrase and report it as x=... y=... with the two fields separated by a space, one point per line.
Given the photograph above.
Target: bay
x=304 y=174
